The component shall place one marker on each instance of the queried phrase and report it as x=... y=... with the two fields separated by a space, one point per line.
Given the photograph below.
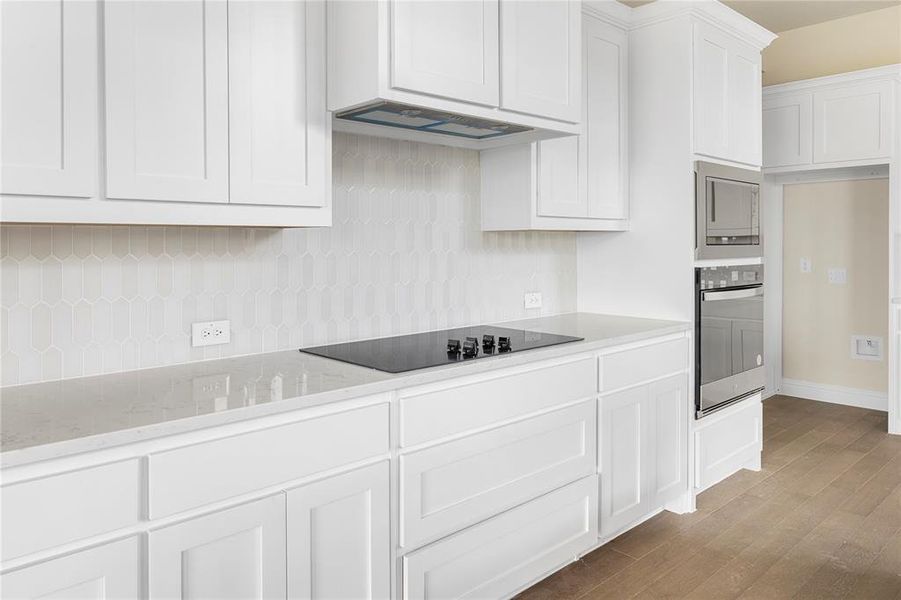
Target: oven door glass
x=731 y=344
x=733 y=213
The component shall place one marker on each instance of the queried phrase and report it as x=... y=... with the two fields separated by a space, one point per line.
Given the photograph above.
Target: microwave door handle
x=713 y=202
x=732 y=294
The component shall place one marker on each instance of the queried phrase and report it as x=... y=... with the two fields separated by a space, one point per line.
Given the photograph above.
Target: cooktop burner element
x=421 y=350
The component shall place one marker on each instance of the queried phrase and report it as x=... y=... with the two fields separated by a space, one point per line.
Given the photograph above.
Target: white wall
x=649 y=270
x=405 y=254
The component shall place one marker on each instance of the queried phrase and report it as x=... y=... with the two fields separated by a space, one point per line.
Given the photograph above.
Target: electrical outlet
x=210 y=333
x=838 y=275
x=532 y=300
x=806 y=265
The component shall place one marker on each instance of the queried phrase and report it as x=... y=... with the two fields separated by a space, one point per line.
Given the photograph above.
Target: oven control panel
x=709 y=278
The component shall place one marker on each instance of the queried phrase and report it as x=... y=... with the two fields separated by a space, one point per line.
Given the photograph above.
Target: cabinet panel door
x=669 y=438
x=449 y=486
x=104 y=572
x=49 y=83
x=711 y=91
x=603 y=151
x=167 y=100
x=338 y=536
x=234 y=553
x=852 y=123
x=541 y=65
x=623 y=469
x=787 y=130
x=447 y=48
x=744 y=102
x=558 y=178
x=278 y=123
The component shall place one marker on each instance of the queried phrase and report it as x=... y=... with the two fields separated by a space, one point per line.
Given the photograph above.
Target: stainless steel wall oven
x=729 y=335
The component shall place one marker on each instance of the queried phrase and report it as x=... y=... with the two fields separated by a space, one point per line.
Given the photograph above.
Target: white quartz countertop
x=49 y=420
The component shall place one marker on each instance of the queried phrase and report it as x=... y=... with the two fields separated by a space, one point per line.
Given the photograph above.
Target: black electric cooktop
x=435 y=348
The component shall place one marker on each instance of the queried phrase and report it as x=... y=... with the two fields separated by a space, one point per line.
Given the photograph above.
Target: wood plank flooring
x=822 y=519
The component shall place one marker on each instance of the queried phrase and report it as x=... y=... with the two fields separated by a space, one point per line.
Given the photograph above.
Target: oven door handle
x=732 y=294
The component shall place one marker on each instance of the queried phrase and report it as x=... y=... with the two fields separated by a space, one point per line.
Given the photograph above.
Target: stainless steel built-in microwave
x=728 y=212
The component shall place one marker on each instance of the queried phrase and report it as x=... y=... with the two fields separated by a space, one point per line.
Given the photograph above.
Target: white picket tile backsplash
x=405 y=253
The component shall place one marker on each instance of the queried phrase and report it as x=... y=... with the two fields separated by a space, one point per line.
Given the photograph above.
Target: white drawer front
x=728 y=442
x=427 y=413
x=499 y=557
x=192 y=476
x=639 y=365
x=447 y=487
x=47 y=512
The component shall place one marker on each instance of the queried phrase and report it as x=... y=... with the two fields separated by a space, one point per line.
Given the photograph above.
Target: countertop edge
x=102 y=441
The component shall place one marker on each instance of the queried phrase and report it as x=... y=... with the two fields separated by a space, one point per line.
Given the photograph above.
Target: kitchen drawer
x=640 y=365
x=433 y=412
x=444 y=488
x=50 y=511
x=499 y=557
x=192 y=476
x=728 y=441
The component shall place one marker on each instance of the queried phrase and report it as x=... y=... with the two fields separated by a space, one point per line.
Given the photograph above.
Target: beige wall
x=836 y=224
x=861 y=41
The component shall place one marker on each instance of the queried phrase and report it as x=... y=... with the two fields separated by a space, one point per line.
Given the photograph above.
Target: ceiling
x=782 y=15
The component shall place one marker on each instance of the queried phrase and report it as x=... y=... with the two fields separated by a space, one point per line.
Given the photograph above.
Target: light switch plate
x=838 y=275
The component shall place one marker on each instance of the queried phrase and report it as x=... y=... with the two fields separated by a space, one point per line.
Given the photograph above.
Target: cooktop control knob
x=453 y=346
x=488 y=344
x=503 y=344
x=470 y=347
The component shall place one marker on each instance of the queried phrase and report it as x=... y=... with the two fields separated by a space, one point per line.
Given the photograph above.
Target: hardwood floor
x=822 y=519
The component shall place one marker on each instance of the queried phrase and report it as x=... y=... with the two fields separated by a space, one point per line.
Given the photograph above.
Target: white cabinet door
x=167 y=100
x=447 y=49
x=603 y=146
x=49 y=98
x=624 y=490
x=234 y=553
x=558 y=178
x=278 y=123
x=727 y=97
x=744 y=105
x=110 y=571
x=787 y=130
x=668 y=440
x=541 y=66
x=852 y=123
x=500 y=556
x=338 y=537
x=711 y=91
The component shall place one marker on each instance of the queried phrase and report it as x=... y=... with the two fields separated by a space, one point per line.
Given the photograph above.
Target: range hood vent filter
x=393 y=114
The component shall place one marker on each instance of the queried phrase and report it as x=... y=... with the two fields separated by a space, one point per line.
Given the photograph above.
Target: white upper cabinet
x=49 y=83
x=787 y=136
x=167 y=100
x=541 y=58
x=853 y=122
x=447 y=49
x=833 y=121
x=279 y=129
x=727 y=97
x=579 y=182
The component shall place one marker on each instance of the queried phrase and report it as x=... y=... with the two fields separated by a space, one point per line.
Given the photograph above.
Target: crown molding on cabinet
x=861 y=76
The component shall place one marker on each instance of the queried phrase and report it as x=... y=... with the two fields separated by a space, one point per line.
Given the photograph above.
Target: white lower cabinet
x=234 y=553
x=339 y=536
x=500 y=556
x=449 y=486
x=643 y=450
x=727 y=441
x=109 y=571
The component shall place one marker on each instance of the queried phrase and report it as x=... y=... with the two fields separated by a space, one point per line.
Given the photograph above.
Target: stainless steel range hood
x=428 y=120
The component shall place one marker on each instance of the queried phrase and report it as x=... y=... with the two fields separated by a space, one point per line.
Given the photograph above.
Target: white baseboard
x=835 y=394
